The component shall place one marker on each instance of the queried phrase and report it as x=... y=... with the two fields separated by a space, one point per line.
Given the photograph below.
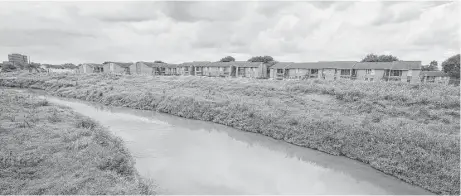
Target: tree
x=451 y=66
x=227 y=59
x=7 y=67
x=271 y=63
x=265 y=59
x=159 y=62
x=69 y=66
x=431 y=67
x=381 y=58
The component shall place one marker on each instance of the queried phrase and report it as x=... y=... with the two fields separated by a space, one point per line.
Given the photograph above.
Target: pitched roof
x=307 y=65
x=281 y=65
x=395 y=65
x=124 y=65
x=171 y=65
x=53 y=66
x=243 y=63
x=433 y=73
x=152 y=64
x=195 y=63
x=336 y=64
x=406 y=65
x=315 y=65
x=93 y=64
x=373 y=65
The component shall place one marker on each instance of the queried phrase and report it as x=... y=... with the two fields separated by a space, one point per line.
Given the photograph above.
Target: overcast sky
x=175 y=32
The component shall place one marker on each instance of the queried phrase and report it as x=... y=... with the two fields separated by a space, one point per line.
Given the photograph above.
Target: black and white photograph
x=230 y=97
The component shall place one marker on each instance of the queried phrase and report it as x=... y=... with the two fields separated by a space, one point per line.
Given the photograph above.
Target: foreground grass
x=46 y=149
x=408 y=131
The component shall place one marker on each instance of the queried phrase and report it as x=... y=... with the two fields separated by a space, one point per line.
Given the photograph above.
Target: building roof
x=395 y=65
x=373 y=65
x=315 y=65
x=53 y=66
x=306 y=65
x=93 y=64
x=243 y=63
x=281 y=65
x=433 y=73
x=336 y=64
x=124 y=65
x=195 y=63
x=152 y=64
x=171 y=65
x=406 y=65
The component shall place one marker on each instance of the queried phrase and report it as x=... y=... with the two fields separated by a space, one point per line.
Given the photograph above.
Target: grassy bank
x=46 y=149
x=408 y=131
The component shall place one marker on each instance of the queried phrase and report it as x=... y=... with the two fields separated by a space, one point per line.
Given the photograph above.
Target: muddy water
x=194 y=157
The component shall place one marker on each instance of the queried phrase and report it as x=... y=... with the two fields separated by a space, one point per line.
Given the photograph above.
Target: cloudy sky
x=79 y=32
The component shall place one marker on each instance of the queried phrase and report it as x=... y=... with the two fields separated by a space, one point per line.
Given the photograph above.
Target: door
x=138 y=68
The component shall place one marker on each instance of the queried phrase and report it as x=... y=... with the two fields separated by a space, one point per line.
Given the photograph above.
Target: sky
x=175 y=32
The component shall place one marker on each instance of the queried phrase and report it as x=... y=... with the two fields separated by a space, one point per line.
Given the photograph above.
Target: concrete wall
x=113 y=68
x=272 y=73
x=263 y=71
x=62 y=70
x=171 y=70
x=375 y=74
x=415 y=79
x=250 y=72
x=182 y=70
x=140 y=69
x=254 y=72
x=82 y=69
x=217 y=71
x=106 y=68
x=329 y=74
x=442 y=80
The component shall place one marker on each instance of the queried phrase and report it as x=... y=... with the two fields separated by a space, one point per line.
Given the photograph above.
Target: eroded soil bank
x=49 y=149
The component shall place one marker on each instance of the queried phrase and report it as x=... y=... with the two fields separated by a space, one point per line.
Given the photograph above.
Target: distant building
x=434 y=77
x=17 y=58
x=408 y=71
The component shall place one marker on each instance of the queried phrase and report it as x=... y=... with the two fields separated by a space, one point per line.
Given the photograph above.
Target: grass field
x=408 y=131
x=46 y=149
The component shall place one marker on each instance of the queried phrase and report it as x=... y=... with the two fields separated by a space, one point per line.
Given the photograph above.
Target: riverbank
x=408 y=131
x=47 y=149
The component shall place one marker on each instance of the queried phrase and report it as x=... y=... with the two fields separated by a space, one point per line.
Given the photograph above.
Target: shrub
x=85 y=123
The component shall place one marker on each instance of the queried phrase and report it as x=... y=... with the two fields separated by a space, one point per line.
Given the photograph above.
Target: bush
x=85 y=123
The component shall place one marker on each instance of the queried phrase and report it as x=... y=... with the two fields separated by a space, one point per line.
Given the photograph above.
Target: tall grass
x=46 y=149
x=405 y=130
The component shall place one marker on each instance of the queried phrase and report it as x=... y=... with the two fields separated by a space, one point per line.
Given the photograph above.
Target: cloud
x=204 y=11
x=59 y=32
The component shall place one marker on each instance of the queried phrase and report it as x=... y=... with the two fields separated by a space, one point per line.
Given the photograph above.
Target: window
x=314 y=71
x=186 y=68
x=279 y=71
x=396 y=73
x=366 y=79
x=345 y=72
x=408 y=79
x=368 y=71
x=371 y=79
